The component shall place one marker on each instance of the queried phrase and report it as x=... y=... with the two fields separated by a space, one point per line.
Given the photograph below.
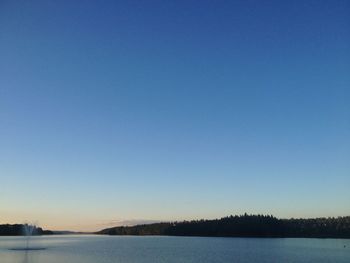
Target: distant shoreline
x=254 y=226
x=243 y=226
x=18 y=230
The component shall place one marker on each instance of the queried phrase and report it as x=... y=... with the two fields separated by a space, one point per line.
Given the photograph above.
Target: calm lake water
x=127 y=249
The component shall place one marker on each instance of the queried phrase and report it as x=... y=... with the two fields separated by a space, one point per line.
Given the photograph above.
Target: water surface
x=128 y=249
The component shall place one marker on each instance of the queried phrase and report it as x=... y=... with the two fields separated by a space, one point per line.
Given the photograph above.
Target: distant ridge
x=243 y=226
x=65 y=232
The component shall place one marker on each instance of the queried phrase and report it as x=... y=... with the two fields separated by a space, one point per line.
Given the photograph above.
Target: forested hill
x=243 y=226
x=18 y=230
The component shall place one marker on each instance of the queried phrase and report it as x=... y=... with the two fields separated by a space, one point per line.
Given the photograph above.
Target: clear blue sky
x=170 y=110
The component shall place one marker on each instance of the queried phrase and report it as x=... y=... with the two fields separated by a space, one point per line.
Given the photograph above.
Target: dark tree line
x=18 y=230
x=244 y=226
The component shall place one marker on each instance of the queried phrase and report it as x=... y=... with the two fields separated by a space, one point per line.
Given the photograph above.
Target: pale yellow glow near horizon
x=54 y=222
x=87 y=220
x=79 y=224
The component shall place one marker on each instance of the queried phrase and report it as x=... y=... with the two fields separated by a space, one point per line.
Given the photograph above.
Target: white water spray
x=29 y=230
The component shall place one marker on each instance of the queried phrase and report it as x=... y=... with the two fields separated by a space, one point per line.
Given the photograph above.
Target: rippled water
x=127 y=249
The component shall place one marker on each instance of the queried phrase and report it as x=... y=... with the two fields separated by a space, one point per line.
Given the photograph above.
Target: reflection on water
x=26 y=257
x=106 y=249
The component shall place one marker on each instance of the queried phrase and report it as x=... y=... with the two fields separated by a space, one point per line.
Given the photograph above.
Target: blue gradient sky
x=170 y=110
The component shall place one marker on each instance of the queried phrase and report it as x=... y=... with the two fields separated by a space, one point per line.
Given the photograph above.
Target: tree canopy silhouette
x=243 y=226
x=18 y=230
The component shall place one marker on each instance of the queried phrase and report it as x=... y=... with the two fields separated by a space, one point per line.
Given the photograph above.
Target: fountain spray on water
x=29 y=230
